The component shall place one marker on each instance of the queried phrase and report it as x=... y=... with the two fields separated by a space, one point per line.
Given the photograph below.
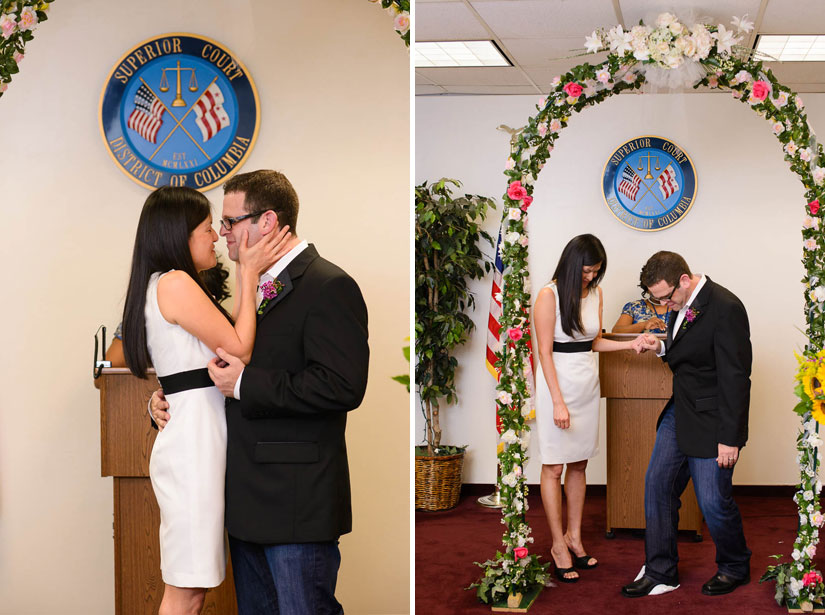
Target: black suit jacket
x=287 y=478
x=711 y=363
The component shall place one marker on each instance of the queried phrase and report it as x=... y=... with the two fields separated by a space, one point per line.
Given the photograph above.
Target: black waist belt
x=573 y=346
x=185 y=381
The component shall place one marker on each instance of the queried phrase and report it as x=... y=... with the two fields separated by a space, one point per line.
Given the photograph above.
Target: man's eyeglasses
x=228 y=222
x=658 y=300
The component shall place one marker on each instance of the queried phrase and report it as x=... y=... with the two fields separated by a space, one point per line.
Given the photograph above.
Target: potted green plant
x=447 y=254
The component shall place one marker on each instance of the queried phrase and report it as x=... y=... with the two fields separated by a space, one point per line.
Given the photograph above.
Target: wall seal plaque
x=181 y=110
x=649 y=183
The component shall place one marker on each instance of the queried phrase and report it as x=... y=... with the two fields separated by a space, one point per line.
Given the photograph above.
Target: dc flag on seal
x=629 y=186
x=211 y=115
x=147 y=116
x=667 y=182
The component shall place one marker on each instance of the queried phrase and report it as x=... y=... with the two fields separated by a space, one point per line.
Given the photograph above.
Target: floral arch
x=666 y=54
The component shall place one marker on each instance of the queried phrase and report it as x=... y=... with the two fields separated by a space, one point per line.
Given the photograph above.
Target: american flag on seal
x=667 y=182
x=147 y=117
x=212 y=117
x=629 y=186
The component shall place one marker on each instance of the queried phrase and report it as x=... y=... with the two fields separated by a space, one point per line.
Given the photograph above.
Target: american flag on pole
x=629 y=186
x=147 y=116
x=494 y=342
x=211 y=116
x=667 y=182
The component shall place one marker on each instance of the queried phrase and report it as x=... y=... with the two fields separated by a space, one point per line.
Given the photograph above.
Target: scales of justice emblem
x=180 y=110
x=649 y=183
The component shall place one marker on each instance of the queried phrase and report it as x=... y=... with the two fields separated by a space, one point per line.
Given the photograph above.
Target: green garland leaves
x=724 y=65
x=18 y=19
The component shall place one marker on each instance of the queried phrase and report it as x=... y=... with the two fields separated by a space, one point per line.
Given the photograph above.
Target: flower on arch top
x=725 y=39
x=760 y=90
x=573 y=89
x=516 y=191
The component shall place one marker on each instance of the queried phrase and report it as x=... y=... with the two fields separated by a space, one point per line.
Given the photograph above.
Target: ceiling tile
x=541 y=51
x=796 y=17
x=447 y=21
x=492 y=89
x=427 y=90
x=718 y=11
x=542 y=18
x=473 y=76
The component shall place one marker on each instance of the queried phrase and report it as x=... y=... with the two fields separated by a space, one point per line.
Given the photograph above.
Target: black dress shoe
x=644 y=586
x=722 y=584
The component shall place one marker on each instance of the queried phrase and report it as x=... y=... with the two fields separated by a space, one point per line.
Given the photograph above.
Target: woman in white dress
x=567 y=318
x=171 y=321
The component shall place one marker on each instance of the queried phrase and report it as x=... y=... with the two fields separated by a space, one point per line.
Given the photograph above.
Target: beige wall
x=333 y=79
x=743 y=231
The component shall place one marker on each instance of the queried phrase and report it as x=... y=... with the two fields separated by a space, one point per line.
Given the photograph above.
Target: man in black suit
x=287 y=477
x=702 y=428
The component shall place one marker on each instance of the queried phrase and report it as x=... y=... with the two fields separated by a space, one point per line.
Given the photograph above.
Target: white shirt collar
x=694 y=293
x=287 y=258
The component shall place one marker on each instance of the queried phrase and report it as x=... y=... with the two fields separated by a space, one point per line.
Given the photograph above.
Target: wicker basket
x=438 y=481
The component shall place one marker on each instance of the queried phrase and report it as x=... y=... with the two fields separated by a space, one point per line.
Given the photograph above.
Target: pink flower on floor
x=516 y=191
x=573 y=89
x=813 y=207
x=760 y=90
x=520 y=552
x=515 y=333
x=811 y=578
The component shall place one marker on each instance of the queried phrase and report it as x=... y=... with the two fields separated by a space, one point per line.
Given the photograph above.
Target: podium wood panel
x=126 y=438
x=637 y=388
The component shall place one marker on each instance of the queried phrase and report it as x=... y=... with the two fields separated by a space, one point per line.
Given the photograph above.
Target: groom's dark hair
x=169 y=216
x=266 y=190
x=663 y=266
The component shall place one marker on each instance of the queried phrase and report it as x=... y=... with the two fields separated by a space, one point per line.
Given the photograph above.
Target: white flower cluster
x=670 y=42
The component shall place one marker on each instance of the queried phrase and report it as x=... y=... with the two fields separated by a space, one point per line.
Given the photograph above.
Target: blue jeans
x=667 y=476
x=291 y=579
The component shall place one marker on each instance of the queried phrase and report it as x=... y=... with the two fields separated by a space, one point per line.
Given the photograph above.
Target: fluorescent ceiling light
x=792 y=48
x=458 y=53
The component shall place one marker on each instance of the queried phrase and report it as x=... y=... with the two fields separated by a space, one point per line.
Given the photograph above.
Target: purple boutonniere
x=690 y=316
x=269 y=290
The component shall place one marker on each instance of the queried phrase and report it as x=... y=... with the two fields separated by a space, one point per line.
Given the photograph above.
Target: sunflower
x=810 y=382
x=818 y=411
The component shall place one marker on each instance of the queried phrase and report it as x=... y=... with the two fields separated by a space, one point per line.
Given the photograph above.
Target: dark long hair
x=169 y=216
x=581 y=251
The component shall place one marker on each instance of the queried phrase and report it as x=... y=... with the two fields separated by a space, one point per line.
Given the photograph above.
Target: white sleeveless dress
x=188 y=463
x=578 y=377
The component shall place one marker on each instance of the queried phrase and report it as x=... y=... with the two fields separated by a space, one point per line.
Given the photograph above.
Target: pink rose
x=515 y=333
x=525 y=202
x=760 y=90
x=811 y=578
x=516 y=191
x=520 y=552
x=813 y=207
x=573 y=89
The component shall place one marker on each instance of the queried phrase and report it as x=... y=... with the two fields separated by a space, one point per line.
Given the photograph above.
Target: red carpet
x=447 y=544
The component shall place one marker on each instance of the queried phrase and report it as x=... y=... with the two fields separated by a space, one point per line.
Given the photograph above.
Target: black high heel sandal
x=560 y=572
x=582 y=562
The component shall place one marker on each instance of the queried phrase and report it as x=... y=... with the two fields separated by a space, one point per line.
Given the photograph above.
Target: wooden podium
x=637 y=388
x=126 y=439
